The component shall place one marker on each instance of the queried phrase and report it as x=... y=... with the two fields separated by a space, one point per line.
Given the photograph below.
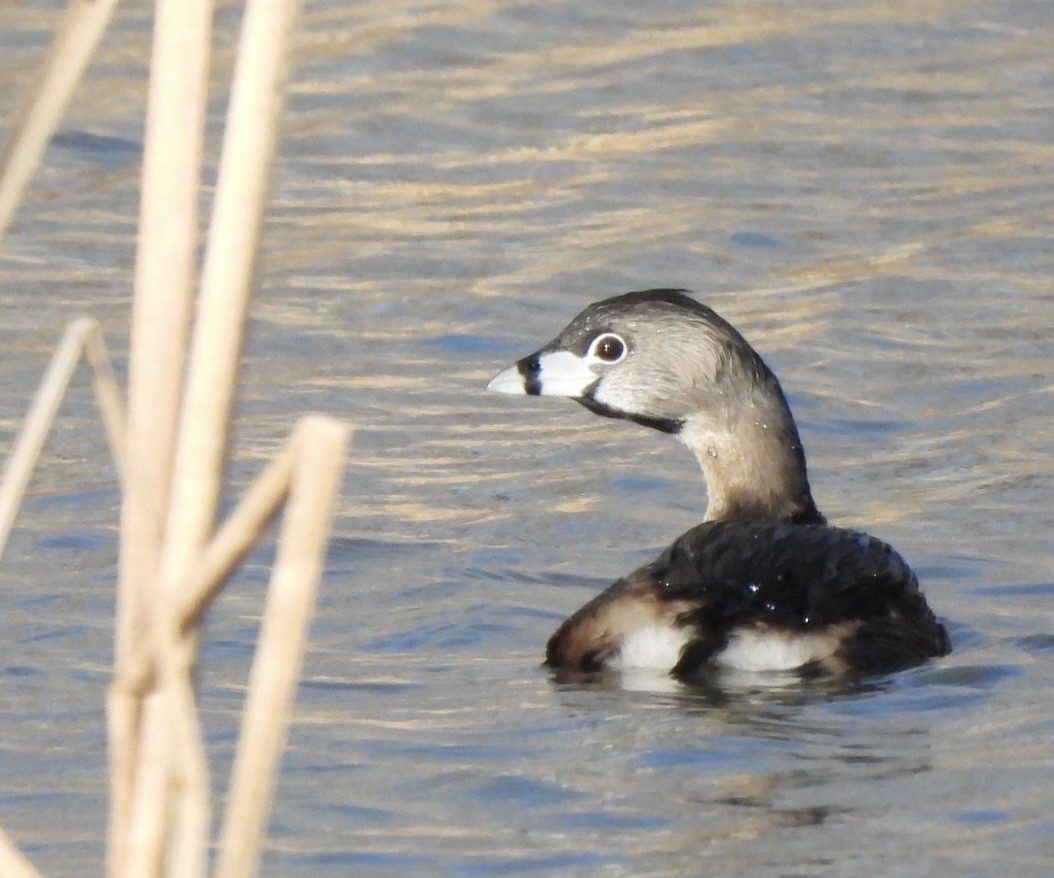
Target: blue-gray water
x=865 y=189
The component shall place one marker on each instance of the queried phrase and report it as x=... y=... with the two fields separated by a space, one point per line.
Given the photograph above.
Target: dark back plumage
x=795 y=577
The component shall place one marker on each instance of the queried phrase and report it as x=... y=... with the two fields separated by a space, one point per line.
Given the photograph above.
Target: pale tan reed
x=172 y=454
x=83 y=338
x=13 y=863
x=256 y=101
x=227 y=275
x=317 y=472
x=164 y=282
x=75 y=40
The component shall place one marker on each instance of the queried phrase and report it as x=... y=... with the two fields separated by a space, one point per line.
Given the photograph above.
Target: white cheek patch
x=618 y=399
x=562 y=373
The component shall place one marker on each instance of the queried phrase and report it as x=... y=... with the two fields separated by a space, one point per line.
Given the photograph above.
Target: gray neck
x=753 y=463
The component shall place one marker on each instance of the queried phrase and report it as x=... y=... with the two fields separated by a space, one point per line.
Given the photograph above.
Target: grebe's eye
x=608 y=347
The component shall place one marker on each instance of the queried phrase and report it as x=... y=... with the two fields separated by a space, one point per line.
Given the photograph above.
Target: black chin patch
x=663 y=425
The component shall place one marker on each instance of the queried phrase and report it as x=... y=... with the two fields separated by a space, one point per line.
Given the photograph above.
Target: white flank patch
x=652 y=647
x=753 y=650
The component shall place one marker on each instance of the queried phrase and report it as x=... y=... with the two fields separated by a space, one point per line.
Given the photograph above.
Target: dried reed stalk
x=316 y=478
x=82 y=26
x=227 y=275
x=83 y=338
x=308 y=472
x=236 y=536
x=257 y=92
x=13 y=863
x=171 y=475
x=164 y=281
x=233 y=539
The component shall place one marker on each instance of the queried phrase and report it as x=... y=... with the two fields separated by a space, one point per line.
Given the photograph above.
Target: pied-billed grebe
x=764 y=583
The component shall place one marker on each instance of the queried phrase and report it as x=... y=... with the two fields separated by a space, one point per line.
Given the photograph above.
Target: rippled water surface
x=865 y=189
